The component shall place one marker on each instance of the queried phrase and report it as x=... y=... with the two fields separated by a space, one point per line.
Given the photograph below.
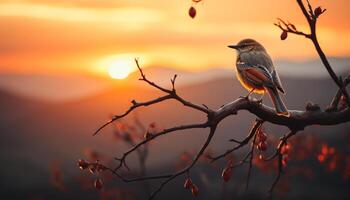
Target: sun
x=120 y=68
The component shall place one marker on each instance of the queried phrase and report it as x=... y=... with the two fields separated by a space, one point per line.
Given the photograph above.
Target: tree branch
x=311 y=17
x=335 y=102
x=165 y=131
x=257 y=125
x=297 y=120
x=188 y=168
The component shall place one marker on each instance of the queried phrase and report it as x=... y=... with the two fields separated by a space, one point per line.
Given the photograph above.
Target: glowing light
x=120 y=68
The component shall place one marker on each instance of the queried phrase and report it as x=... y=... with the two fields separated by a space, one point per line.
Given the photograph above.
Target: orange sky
x=77 y=36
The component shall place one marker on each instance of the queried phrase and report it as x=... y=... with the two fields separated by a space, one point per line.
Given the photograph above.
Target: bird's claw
x=259 y=102
x=244 y=97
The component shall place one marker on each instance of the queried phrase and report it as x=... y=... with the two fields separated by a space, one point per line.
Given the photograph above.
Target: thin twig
x=257 y=124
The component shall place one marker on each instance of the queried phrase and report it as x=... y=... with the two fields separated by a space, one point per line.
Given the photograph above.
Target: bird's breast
x=246 y=83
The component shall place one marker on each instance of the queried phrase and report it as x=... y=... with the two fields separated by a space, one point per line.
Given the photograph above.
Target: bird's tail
x=281 y=109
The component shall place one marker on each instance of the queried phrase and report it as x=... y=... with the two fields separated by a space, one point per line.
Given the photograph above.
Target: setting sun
x=120 y=68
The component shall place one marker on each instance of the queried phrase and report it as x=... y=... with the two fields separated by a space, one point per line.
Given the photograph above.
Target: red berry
x=284 y=163
x=194 y=190
x=82 y=164
x=192 y=12
x=284 y=35
x=321 y=158
x=188 y=184
x=285 y=149
x=285 y=159
x=98 y=184
x=262 y=146
x=227 y=174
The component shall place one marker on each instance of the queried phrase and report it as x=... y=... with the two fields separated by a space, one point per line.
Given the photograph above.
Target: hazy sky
x=78 y=36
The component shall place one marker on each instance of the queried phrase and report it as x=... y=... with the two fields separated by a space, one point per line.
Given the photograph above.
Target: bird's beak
x=233 y=46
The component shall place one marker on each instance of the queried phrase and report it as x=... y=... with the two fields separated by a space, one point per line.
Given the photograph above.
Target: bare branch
x=188 y=168
x=279 y=172
x=282 y=142
x=290 y=28
x=258 y=123
x=165 y=131
x=312 y=20
x=133 y=107
x=335 y=102
x=297 y=120
x=250 y=162
x=172 y=93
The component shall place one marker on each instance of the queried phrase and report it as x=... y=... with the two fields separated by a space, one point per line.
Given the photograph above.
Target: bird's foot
x=245 y=97
x=259 y=101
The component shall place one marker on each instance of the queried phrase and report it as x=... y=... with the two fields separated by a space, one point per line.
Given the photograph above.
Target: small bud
x=192 y=12
x=310 y=106
x=147 y=135
x=188 y=184
x=194 y=190
x=262 y=146
x=226 y=174
x=100 y=168
x=262 y=136
x=318 y=11
x=82 y=164
x=284 y=35
x=152 y=125
x=93 y=168
x=261 y=157
x=98 y=184
x=293 y=27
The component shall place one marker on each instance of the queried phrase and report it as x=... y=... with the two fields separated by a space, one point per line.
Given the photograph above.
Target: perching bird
x=256 y=72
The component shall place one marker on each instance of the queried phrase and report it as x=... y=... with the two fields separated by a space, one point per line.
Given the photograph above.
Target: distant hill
x=65 y=88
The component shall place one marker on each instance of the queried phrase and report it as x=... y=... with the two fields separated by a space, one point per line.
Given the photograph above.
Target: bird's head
x=247 y=45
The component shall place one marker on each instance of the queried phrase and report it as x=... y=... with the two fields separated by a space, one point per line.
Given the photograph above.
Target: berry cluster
x=261 y=137
x=285 y=150
x=94 y=168
x=189 y=185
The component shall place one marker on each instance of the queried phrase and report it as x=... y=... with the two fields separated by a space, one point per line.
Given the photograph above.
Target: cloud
x=126 y=17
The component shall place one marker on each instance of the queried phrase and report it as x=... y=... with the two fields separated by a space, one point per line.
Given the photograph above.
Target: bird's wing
x=261 y=58
x=257 y=74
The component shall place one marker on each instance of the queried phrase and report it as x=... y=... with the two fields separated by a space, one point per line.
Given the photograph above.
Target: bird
x=257 y=74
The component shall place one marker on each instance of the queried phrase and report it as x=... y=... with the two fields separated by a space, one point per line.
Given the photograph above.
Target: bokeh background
x=66 y=66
